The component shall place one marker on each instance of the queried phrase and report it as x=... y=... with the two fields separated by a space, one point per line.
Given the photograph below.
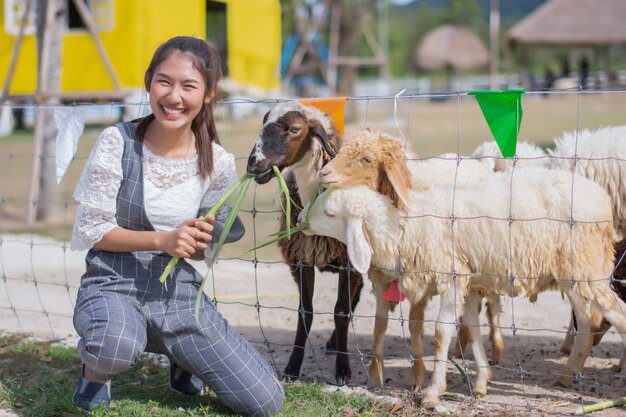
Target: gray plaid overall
x=123 y=310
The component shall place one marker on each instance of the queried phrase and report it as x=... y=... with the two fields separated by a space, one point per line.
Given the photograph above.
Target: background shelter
x=574 y=24
x=453 y=48
x=131 y=30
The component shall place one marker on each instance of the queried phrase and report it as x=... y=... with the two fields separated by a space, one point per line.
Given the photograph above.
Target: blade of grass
x=246 y=178
x=285 y=190
x=463 y=374
x=227 y=225
x=313 y=199
x=602 y=405
x=286 y=234
x=279 y=236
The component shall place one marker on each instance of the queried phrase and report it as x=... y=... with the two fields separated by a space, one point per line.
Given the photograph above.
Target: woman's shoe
x=184 y=382
x=89 y=395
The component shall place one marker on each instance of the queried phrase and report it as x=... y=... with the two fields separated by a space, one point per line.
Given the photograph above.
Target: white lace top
x=173 y=189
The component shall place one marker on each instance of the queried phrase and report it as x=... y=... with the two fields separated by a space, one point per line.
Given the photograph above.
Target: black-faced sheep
x=300 y=140
x=524 y=234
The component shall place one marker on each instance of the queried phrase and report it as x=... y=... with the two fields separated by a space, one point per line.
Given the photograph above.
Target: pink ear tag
x=393 y=294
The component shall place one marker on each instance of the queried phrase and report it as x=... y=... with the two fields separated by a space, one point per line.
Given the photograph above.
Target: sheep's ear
x=396 y=183
x=320 y=133
x=359 y=251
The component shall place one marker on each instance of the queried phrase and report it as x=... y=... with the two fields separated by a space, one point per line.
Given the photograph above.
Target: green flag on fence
x=503 y=112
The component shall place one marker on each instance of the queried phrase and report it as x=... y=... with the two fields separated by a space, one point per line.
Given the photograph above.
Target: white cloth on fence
x=5 y=120
x=70 y=122
x=173 y=189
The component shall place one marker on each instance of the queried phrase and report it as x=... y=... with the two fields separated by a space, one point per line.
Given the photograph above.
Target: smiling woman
x=142 y=197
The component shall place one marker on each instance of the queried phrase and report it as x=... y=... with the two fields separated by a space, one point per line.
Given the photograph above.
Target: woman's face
x=177 y=92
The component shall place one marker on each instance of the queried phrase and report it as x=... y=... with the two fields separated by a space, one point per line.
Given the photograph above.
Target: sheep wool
x=533 y=231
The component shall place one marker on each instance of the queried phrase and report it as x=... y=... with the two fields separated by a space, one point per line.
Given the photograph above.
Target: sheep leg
x=620 y=367
x=380 y=328
x=355 y=296
x=444 y=329
x=583 y=341
x=494 y=309
x=463 y=336
x=568 y=342
x=305 y=278
x=462 y=339
x=470 y=317
x=598 y=333
x=613 y=309
x=343 y=315
x=416 y=327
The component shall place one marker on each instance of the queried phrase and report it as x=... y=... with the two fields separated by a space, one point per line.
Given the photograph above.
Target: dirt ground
x=522 y=385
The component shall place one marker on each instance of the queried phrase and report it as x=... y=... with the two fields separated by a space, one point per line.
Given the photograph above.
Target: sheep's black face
x=277 y=145
x=269 y=150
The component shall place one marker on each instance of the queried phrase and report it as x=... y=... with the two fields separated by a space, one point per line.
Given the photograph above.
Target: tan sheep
x=378 y=161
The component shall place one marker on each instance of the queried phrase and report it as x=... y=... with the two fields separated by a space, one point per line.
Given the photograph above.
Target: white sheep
x=511 y=235
x=526 y=154
x=599 y=155
x=368 y=155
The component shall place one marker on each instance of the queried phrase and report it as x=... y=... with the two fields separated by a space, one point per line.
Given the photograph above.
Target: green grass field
x=37 y=380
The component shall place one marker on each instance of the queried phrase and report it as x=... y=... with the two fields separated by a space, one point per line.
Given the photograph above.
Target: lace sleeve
x=223 y=178
x=97 y=190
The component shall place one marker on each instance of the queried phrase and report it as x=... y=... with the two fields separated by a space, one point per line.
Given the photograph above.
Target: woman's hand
x=190 y=238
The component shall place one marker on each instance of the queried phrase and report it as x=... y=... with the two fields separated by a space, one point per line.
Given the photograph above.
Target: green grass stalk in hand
x=244 y=179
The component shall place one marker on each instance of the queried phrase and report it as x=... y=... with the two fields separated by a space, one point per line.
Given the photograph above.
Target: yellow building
x=131 y=30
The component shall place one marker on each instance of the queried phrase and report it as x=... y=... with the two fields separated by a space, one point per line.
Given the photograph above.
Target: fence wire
x=254 y=288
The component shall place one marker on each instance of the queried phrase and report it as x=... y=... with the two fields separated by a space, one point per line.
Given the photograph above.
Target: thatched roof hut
x=572 y=23
x=587 y=27
x=451 y=47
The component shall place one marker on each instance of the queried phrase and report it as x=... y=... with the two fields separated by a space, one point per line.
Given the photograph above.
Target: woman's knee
x=111 y=350
x=265 y=401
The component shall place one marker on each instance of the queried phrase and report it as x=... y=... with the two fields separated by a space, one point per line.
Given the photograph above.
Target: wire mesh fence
x=39 y=274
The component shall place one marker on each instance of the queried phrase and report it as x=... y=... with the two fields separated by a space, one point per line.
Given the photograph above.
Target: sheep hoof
x=429 y=402
x=479 y=390
x=376 y=373
x=564 y=381
x=289 y=376
x=566 y=346
x=566 y=350
x=342 y=379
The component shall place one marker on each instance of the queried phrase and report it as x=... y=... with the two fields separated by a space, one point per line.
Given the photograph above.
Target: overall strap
x=130 y=209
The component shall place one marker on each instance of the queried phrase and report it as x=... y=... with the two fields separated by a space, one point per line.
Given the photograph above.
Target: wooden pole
x=86 y=16
x=42 y=54
x=494 y=36
x=16 y=50
x=332 y=67
x=50 y=20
